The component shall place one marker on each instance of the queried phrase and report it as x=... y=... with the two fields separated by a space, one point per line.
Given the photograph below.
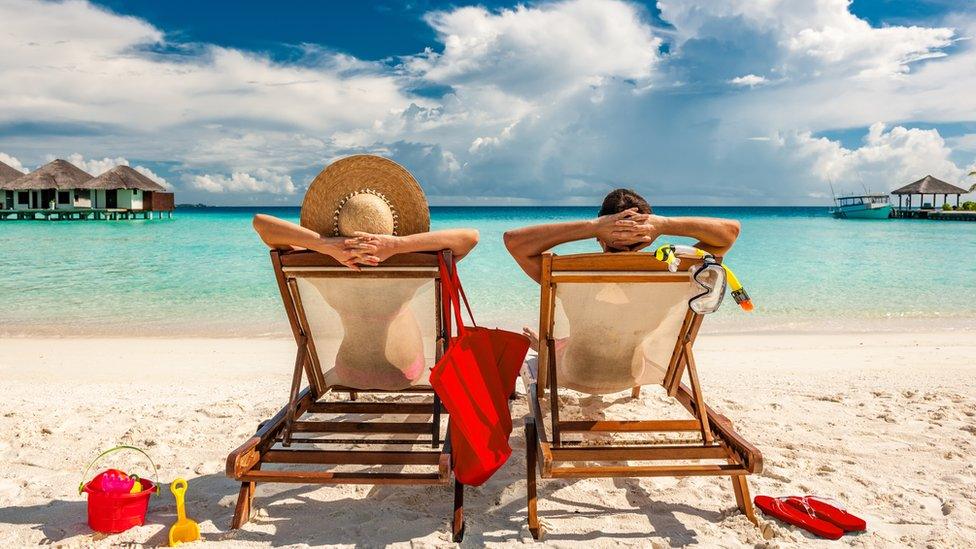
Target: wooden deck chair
x=609 y=323
x=308 y=441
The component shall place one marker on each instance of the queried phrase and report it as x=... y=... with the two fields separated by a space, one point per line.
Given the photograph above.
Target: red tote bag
x=474 y=379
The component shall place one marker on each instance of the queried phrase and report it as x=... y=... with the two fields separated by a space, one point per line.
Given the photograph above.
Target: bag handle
x=81 y=486
x=453 y=303
x=460 y=290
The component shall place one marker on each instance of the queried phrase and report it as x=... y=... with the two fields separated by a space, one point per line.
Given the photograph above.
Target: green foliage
x=969 y=206
x=947 y=207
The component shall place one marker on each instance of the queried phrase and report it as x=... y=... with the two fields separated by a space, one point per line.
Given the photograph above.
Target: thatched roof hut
x=930 y=185
x=122 y=177
x=57 y=174
x=8 y=174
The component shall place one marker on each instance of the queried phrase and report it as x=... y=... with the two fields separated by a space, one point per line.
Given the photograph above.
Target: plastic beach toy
x=185 y=530
x=113 y=481
x=116 y=501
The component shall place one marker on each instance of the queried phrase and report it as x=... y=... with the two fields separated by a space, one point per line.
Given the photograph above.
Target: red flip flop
x=789 y=514
x=825 y=511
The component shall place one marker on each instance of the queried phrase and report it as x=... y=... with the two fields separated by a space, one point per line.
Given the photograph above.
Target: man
x=626 y=223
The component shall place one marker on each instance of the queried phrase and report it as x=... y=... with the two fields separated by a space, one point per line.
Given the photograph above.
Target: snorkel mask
x=710 y=276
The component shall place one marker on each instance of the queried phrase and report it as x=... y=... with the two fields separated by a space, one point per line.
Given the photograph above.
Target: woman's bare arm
x=379 y=246
x=527 y=244
x=285 y=235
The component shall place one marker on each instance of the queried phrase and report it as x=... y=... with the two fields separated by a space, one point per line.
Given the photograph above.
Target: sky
x=695 y=102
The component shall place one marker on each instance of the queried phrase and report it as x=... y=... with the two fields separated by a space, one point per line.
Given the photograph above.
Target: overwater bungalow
x=49 y=187
x=7 y=174
x=60 y=190
x=124 y=188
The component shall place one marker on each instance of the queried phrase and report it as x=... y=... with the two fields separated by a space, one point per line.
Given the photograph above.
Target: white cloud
x=97 y=167
x=814 y=35
x=75 y=62
x=751 y=80
x=556 y=101
x=263 y=181
x=887 y=158
x=540 y=50
x=966 y=142
x=93 y=166
x=12 y=162
x=152 y=175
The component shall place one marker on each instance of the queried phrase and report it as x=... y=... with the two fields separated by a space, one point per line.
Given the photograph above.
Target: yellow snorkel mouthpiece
x=672 y=254
x=739 y=293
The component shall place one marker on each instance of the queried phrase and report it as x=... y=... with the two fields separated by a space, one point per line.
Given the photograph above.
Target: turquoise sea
x=205 y=273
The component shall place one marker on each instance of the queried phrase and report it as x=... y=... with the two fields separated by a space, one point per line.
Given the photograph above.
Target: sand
x=884 y=422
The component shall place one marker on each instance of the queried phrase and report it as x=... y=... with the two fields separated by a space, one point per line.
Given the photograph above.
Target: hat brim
x=357 y=173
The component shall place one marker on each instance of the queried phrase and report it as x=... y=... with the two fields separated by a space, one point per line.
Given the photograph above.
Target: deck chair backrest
x=615 y=319
x=374 y=329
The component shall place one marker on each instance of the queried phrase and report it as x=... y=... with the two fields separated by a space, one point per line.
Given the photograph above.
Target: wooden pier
x=81 y=214
x=938 y=215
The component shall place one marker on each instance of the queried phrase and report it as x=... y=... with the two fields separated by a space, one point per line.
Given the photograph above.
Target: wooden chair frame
x=273 y=440
x=549 y=455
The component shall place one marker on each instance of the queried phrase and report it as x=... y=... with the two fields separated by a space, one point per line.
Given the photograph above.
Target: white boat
x=865 y=206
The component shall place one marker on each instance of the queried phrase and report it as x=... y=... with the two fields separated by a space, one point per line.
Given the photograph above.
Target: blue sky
x=690 y=102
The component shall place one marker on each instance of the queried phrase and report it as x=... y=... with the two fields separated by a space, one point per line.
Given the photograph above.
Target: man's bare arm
x=715 y=235
x=527 y=244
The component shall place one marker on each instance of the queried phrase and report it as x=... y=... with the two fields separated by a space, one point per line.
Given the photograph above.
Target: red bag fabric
x=474 y=379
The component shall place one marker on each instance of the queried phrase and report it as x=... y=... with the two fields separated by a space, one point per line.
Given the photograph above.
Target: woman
x=361 y=210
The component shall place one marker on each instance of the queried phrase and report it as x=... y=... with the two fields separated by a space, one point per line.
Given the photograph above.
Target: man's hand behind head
x=638 y=229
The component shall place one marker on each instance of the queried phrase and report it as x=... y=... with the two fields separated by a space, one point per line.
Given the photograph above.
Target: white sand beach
x=884 y=422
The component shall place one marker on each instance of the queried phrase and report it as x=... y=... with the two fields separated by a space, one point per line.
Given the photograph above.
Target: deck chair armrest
x=241 y=460
x=750 y=455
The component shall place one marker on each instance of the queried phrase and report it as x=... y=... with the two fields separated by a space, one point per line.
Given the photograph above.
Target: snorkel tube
x=672 y=254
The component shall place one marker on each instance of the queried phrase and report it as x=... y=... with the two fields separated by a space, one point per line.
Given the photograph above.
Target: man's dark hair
x=619 y=200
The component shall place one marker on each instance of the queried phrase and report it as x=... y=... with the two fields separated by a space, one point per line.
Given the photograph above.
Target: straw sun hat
x=365 y=193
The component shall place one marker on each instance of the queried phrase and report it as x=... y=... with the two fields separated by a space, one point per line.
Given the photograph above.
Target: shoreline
x=723 y=326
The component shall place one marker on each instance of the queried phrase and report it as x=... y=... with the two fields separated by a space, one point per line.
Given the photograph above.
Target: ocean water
x=206 y=273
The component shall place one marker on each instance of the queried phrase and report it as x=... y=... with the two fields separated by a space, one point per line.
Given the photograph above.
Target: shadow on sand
x=211 y=499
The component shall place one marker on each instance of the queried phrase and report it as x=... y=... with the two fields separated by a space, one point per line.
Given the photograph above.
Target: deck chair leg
x=635 y=392
x=296 y=385
x=531 y=463
x=435 y=433
x=457 y=522
x=742 y=498
x=245 y=499
x=706 y=429
x=242 y=513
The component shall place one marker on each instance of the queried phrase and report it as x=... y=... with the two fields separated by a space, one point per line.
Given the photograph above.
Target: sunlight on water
x=206 y=272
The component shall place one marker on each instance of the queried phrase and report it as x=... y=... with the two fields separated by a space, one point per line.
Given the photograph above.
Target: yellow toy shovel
x=185 y=530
